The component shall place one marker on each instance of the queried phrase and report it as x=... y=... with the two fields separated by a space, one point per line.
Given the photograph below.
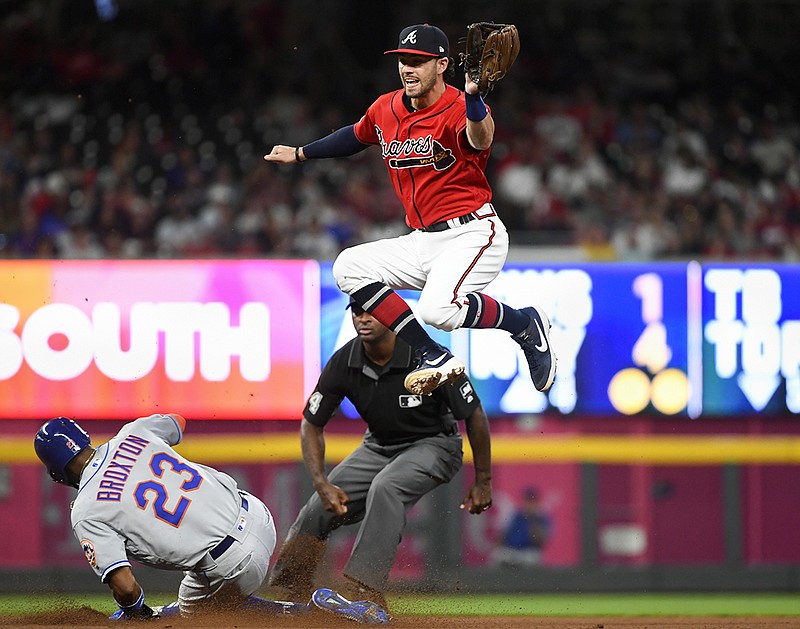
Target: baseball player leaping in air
x=139 y=499
x=435 y=141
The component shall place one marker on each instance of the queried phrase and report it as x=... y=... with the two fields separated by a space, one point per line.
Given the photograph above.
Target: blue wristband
x=476 y=108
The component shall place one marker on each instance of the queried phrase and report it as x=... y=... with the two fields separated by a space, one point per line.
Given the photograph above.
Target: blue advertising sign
x=751 y=339
x=667 y=339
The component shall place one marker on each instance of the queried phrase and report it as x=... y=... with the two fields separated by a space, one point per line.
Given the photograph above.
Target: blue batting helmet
x=56 y=443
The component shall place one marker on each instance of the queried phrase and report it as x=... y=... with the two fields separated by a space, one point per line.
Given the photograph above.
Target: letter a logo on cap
x=411 y=37
x=422 y=39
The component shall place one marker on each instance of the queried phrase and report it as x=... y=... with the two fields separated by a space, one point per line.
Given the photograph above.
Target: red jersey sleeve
x=365 y=129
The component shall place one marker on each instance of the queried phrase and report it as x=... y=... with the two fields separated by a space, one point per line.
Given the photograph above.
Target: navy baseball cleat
x=364 y=612
x=436 y=367
x=535 y=342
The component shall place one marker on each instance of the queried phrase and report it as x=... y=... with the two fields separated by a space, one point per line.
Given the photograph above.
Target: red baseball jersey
x=436 y=174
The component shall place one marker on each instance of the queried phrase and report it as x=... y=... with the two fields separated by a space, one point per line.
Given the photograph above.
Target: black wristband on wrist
x=297 y=153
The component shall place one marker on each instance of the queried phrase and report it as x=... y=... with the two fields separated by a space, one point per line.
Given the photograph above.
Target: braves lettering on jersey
x=139 y=498
x=420 y=149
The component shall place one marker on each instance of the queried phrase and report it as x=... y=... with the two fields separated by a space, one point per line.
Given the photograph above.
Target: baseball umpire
x=411 y=446
x=435 y=141
x=138 y=498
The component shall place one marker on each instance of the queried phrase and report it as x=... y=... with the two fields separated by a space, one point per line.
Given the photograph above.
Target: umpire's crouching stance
x=412 y=445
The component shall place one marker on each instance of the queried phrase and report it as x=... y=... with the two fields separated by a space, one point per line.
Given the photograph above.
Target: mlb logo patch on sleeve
x=466 y=391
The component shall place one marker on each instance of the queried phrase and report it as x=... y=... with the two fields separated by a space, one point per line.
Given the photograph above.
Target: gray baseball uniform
x=412 y=446
x=139 y=498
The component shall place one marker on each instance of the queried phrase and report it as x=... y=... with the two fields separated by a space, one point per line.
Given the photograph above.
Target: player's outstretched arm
x=341 y=143
x=479 y=496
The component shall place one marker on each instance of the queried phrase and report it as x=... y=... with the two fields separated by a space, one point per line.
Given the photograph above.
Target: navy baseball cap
x=353 y=305
x=422 y=39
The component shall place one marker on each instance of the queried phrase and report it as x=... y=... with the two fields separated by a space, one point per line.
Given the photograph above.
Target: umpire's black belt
x=225 y=544
x=484 y=212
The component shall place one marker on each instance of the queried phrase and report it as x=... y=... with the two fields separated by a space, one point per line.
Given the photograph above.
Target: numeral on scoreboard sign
x=651 y=349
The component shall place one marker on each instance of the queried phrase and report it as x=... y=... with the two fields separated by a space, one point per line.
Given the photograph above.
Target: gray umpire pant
x=383 y=484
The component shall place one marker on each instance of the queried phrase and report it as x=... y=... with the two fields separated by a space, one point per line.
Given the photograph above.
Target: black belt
x=225 y=544
x=453 y=222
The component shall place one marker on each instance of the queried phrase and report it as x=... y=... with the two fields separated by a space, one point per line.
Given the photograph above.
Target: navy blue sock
x=392 y=311
x=486 y=312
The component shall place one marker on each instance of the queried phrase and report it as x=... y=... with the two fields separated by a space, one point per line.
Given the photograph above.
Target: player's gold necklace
x=89 y=460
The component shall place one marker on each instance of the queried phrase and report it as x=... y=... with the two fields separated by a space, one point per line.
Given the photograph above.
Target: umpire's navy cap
x=422 y=39
x=355 y=307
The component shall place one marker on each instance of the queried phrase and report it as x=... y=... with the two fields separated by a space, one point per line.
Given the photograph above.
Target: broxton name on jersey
x=140 y=498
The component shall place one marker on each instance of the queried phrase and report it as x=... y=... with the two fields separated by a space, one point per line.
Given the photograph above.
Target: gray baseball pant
x=383 y=484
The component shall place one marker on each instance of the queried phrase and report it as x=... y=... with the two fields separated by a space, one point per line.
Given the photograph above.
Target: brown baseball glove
x=489 y=52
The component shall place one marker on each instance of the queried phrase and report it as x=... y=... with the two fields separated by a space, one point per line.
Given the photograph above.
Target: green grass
x=548 y=605
x=598 y=604
x=36 y=603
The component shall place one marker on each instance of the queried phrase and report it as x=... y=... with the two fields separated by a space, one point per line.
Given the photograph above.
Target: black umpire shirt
x=392 y=414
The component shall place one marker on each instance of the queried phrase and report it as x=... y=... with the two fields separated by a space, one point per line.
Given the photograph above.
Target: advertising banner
x=245 y=339
x=665 y=339
x=121 y=339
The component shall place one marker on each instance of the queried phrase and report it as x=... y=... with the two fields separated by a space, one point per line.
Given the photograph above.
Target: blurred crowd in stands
x=632 y=130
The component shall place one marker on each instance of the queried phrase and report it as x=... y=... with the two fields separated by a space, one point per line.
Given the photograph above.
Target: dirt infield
x=87 y=617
